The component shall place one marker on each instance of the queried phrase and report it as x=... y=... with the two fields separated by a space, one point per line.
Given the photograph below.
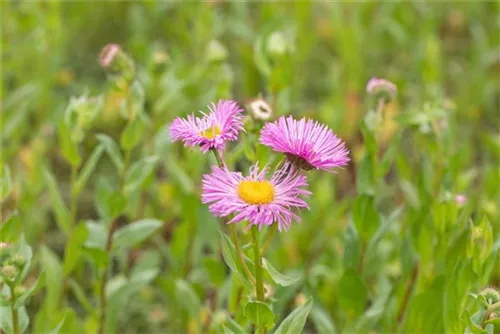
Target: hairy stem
x=104 y=278
x=259 y=282
x=74 y=196
x=15 y=315
x=408 y=292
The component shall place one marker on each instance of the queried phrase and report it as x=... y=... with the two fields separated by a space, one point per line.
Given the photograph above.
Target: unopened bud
x=300 y=299
x=381 y=88
x=108 y=55
x=491 y=294
x=4 y=246
x=19 y=290
x=276 y=44
x=113 y=59
x=260 y=109
x=9 y=272
x=461 y=200
x=216 y=51
x=18 y=260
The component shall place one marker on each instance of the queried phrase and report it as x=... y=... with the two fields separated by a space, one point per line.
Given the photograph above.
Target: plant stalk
x=259 y=281
x=15 y=315
x=104 y=279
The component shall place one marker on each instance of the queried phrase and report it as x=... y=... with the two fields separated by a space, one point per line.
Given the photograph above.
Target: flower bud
x=216 y=51
x=18 y=260
x=381 y=88
x=9 y=272
x=480 y=244
x=461 y=200
x=491 y=294
x=4 y=246
x=276 y=44
x=108 y=55
x=19 y=290
x=259 y=109
x=113 y=59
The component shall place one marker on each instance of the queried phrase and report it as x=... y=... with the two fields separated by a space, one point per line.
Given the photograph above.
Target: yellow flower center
x=256 y=192
x=210 y=133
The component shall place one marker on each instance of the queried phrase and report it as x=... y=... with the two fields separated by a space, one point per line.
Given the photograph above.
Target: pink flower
x=108 y=55
x=377 y=86
x=255 y=198
x=211 y=131
x=461 y=200
x=306 y=143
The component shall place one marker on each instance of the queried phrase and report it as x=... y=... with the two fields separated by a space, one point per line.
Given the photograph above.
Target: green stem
x=74 y=195
x=241 y=257
x=15 y=315
x=104 y=278
x=259 y=283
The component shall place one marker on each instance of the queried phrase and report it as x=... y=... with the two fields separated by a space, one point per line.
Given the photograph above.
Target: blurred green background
x=439 y=138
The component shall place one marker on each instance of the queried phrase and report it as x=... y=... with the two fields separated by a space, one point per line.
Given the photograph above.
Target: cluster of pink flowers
x=256 y=198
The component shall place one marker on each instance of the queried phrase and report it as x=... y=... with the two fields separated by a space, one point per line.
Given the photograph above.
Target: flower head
x=378 y=86
x=108 y=54
x=260 y=109
x=211 y=131
x=255 y=198
x=306 y=143
x=461 y=200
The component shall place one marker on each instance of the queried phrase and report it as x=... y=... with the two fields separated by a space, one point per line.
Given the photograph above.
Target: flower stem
x=407 y=295
x=259 y=283
x=15 y=315
x=104 y=278
x=241 y=257
x=74 y=196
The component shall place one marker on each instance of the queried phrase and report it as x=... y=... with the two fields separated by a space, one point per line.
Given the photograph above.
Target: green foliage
x=102 y=226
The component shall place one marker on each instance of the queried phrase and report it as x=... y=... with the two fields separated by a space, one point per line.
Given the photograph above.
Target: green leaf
x=278 y=277
x=58 y=327
x=139 y=172
x=119 y=294
x=365 y=216
x=259 y=313
x=352 y=247
x=112 y=150
x=9 y=229
x=60 y=209
x=365 y=180
x=322 y=321
x=231 y=259
x=97 y=235
x=80 y=296
x=456 y=291
x=134 y=233
x=88 y=168
x=69 y=148
x=73 y=251
x=215 y=270
x=5 y=183
x=187 y=298
x=472 y=327
x=353 y=293
x=25 y=251
x=54 y=277
x=6 y=319
x=296 y=320
x=109 y=202
x=21 y=300
x=132 y=134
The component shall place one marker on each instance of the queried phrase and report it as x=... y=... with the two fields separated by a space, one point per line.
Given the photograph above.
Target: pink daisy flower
x=255 y=198
x=306 y=143
x=211 y=131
